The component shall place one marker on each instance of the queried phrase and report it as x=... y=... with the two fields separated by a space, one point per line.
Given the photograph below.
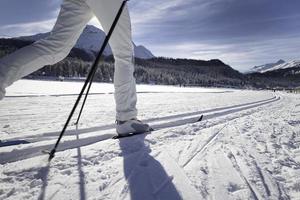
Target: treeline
x=75 y=68
x=167 y=71
x=188 y=72
x=153 y=73
x=282 y=78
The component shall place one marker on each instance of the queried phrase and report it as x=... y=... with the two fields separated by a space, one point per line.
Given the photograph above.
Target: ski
x=45 y=151
x=131 y=134
x=162 y=126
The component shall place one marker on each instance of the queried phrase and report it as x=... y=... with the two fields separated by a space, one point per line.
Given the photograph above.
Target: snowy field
x=246 y=147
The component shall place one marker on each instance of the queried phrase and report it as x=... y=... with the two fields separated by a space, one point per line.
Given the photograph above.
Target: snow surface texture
x=246 y=147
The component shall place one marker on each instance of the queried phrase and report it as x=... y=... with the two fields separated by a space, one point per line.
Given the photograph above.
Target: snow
x=91 y=39
x=246 y=147
x=281 y=64
x=31 y=88
x=294 y=63
x=265 y=67
x=142 y=52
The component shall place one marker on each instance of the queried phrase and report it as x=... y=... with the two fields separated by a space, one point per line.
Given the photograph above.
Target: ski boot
x=131 y=127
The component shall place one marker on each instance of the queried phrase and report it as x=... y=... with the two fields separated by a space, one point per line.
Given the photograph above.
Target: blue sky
x=241 y=33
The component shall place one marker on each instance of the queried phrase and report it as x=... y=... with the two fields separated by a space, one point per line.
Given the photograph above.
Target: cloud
x=215 y=19
x=152 y=11
x=24 y=29
x=241 y=56
x=241 y=33
x=16 y=11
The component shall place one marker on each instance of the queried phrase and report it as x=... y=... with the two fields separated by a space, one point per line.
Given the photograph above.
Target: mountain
x=157 y=70
x=91 y=39
x=188 y=72
x=286 y=65
x=279 y=65
x=263 y=68
x=285 y=75
x=142 y=52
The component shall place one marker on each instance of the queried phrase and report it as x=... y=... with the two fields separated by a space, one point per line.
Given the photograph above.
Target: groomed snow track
x=93 y=135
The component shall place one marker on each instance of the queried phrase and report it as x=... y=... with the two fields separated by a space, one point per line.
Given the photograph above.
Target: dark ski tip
x=200 y=118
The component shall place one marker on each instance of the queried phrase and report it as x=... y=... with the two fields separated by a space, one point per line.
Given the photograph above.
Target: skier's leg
x=71 y=21
x=122 y=48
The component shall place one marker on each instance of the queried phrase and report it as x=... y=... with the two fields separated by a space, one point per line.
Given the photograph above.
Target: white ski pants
x=72 y=19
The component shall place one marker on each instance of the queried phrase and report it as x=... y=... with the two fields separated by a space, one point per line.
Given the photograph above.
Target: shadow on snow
x=146 y=178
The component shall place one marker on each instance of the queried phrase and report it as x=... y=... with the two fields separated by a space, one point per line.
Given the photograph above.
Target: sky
x=241 y=33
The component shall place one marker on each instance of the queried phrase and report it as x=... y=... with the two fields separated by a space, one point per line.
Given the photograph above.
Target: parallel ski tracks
x=19 y=154
x=205 y=146
x=74 y=132
x=217 y=133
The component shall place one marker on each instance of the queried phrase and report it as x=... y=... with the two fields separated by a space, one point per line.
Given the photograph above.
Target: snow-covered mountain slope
x=281 y=64
x=262 y=68
x=246 y=147
x=291 y=64
x=142 y=52
x=91 y=39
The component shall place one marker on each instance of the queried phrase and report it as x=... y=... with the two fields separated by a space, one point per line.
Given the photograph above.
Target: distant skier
x=72 y=19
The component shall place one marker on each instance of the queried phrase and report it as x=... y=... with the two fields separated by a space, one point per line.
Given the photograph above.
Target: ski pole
x=86 y=95
x=89 y=78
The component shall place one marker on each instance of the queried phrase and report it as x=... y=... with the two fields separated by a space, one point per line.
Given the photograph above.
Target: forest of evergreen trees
x=167 y=71
x=148 y=72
